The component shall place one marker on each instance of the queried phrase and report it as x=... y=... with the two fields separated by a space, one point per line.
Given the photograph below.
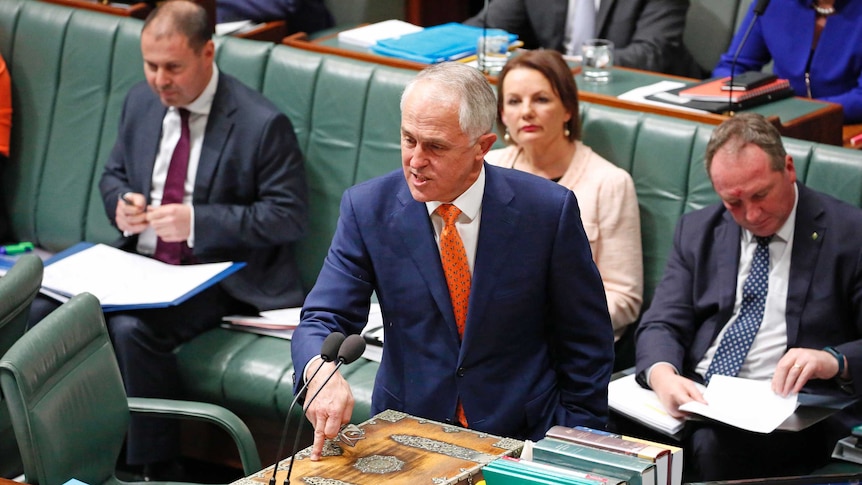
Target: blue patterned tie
x=737 y=340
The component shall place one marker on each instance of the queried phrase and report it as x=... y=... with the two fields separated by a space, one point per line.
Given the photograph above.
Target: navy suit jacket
x=647 y=34
x=250 y=195
x=537 y=348
x=696 y=295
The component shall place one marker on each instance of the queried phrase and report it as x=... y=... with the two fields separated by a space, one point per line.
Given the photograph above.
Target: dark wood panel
x=434 y=12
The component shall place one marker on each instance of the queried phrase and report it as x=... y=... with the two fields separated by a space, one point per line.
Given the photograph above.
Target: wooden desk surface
x=6 y=481
x=794 y=117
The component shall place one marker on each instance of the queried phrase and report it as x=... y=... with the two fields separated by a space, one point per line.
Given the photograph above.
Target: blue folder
x=190 y=292
x=446 y=42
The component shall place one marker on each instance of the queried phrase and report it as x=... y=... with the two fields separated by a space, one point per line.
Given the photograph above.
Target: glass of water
x=492 y=53
x=598 y=59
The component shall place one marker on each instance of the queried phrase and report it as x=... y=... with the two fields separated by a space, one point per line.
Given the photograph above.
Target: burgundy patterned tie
x=176 y=252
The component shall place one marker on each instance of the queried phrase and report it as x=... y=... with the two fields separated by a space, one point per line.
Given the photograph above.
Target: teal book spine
x=636 y=471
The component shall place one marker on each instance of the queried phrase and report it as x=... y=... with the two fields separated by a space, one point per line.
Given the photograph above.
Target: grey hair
x=744 y=129
x=466 y=86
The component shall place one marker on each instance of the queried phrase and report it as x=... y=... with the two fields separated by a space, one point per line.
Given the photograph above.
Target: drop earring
x=506 y=137
x=566 y=130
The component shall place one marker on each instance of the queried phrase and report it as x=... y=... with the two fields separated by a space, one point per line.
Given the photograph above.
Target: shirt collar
x=470 y=202
x=203 y=103
x=785 y=232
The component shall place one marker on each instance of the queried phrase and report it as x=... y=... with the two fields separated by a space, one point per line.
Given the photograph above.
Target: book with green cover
x=610 y=442
x=513 y=471
x=636 y=471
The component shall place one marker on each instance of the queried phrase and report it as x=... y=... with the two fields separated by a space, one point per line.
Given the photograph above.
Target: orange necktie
x=457 y=271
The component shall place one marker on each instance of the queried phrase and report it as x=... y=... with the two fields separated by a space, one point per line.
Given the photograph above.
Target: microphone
x=351 y=349
x=328 y=353
x=481 y=54
x=759 y=8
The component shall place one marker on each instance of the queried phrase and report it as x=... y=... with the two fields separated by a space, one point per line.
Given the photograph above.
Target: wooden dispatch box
x=396 y=449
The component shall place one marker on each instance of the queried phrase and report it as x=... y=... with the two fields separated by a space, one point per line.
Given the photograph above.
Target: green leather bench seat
x=72 y=69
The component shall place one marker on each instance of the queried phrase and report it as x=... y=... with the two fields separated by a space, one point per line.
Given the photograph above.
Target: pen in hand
x=129 y=202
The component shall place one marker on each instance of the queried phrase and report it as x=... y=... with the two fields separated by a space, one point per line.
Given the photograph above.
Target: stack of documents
x=368 y=35
x=125 y=281
x=446 y=42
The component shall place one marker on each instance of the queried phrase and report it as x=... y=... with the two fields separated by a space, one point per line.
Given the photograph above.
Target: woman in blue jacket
x=816 y=44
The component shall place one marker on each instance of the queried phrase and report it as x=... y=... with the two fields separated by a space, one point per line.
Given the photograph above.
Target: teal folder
x=445 y=42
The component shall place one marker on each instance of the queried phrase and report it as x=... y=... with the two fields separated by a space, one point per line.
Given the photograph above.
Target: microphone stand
x=758 y=11
x=328 y=351
x=351 y=349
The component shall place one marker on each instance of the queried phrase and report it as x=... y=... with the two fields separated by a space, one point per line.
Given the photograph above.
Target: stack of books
x=587 y=456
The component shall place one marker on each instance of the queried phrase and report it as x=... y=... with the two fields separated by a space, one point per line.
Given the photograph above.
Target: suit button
x=461 y=372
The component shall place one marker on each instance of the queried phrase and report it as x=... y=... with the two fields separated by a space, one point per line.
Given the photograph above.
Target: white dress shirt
x=199 y=111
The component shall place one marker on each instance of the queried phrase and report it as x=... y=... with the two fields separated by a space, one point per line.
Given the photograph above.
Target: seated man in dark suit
x=647 y=34
x=494 y=312
x=765 y=285
x=204 y=169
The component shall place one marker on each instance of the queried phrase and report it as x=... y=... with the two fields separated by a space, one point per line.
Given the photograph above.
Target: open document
x=123 y=280
x=743 y=403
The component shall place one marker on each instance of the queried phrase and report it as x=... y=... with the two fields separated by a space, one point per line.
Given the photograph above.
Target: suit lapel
x=498 y=226
x=151 y=134
x=727 y=243
x=414 y=225
x=807 y=237
x=602 y=15
x=219 y=126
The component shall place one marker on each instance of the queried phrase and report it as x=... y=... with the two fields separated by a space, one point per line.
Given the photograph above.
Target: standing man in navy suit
x=536 y=347
x=241 y=198
x=809 y=332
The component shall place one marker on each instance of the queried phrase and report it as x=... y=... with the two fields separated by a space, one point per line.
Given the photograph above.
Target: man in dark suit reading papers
x=765 y=285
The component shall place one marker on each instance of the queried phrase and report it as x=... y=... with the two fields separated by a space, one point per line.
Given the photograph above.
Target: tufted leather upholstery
x=71 y=70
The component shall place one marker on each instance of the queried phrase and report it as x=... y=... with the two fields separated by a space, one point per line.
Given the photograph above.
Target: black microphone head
x=351 y=349
x=330 y=347
x=761 y=7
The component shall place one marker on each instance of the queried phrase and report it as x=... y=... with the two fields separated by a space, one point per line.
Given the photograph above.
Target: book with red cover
x=710 y=90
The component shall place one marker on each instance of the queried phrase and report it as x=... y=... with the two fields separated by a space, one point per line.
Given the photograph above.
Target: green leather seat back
x=347 y=120
x=126 y=70
x=62 y=382
x=18 y=287
x=78 y=120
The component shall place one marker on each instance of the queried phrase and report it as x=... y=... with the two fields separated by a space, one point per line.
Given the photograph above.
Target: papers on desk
x=282 y=322
x=124 y=281
x=368 y=35
x=743 y=403
x=237 y=27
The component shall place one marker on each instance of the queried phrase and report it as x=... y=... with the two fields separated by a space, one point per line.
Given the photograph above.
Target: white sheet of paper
x=117 y=277
x=744 y=403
